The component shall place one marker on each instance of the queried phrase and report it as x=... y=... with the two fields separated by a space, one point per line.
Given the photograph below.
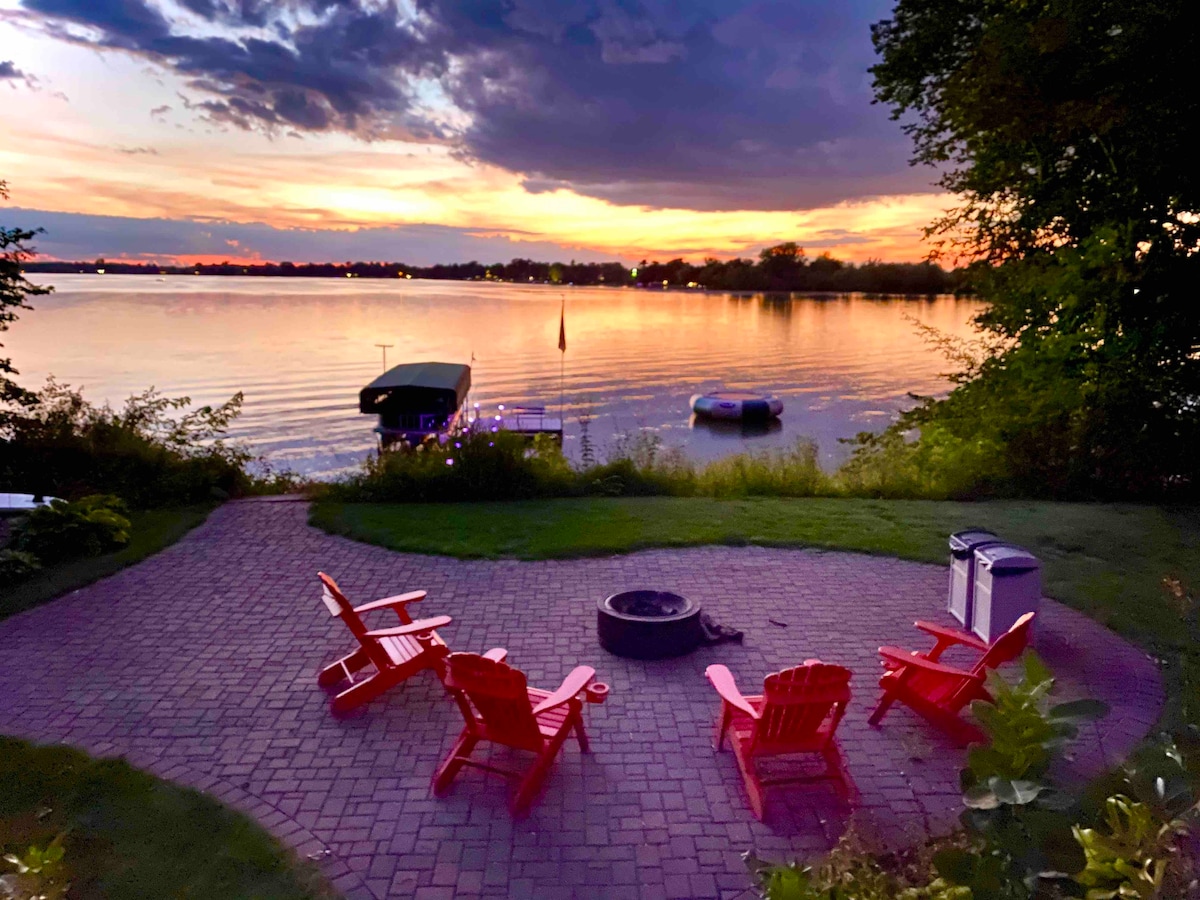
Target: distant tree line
x=785 y=267
x=780 y=268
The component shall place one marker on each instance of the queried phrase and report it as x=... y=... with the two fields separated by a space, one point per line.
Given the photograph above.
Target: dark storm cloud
x=9 y=71
x=77 y=236
x=704 y=106
x=709 y=104
x=347 y=69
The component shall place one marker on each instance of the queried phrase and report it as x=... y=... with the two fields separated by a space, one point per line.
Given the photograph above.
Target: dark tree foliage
x=14 y=291
x=152 y=451
x=1068 y=129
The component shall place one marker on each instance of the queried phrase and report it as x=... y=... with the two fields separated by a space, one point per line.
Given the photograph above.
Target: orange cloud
x=335 y=183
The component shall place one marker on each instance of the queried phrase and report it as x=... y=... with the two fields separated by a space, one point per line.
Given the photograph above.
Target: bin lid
x=1006 y=559
x=963 y=542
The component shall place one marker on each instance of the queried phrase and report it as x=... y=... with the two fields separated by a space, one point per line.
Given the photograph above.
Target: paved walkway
x=199 y=665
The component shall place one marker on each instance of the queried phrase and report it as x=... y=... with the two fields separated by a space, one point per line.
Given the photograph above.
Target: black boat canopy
x=425 y=387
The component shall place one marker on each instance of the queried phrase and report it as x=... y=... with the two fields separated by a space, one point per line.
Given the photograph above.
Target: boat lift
x=419 y=401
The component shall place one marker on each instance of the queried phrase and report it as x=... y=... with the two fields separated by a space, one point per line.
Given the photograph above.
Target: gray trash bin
x=962 y=570
x=1008 y=584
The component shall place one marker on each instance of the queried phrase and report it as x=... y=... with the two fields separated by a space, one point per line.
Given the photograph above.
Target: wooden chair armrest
x=415 y=628
x=722 y=680
x=389 y=602
x=575 y=682
x=496 y=654
x=951 y=635
x=904 y=659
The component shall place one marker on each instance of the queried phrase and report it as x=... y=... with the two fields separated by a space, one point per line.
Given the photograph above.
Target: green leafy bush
x=64 y=446
x=1022 y=837
x=1019 y=821
x=39 y=873
x=17 y=565
x=1130 y=856
x=1137 y=821
x=64 y=530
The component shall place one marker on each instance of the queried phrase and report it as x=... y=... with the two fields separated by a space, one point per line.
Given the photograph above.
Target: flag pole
x=562 y=363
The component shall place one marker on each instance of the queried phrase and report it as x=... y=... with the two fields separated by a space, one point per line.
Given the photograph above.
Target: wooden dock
x=528 y=421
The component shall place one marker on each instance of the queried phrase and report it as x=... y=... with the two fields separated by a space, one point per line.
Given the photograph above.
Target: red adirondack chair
x=939 y=692
x=798 y=712
x=499 y=706
x=390 y=654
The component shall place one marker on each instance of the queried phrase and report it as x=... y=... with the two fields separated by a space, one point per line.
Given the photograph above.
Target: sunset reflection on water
x=301 y=348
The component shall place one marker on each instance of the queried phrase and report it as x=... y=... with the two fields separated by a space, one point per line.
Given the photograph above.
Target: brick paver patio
x=199 y=665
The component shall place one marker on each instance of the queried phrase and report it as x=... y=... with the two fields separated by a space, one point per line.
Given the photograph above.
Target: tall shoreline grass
x=486 y=467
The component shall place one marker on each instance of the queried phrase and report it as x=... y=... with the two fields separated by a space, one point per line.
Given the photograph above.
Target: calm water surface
x=301 y=348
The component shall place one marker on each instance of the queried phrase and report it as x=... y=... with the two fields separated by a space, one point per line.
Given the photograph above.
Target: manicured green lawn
x=1106 y=560
x=126 y=833
x=152 y=531
x=130 y=835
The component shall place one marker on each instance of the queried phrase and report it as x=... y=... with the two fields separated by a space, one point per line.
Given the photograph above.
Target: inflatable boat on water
x=737 y=405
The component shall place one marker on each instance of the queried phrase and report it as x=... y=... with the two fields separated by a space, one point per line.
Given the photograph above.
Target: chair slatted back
x=798 y=701
x=341 y=608
x=499 y=694
x=1008 y=646
x=1004 y=649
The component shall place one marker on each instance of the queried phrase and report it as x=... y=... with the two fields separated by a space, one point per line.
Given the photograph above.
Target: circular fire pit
x=648 y=624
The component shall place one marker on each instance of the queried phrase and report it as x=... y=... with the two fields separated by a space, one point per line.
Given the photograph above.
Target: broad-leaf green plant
x=1135 y=841
x=1131 y=855
x=65 y=530
x=1021 y=821
x=39 y=873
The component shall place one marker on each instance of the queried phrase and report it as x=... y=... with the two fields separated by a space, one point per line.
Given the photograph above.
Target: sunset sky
x=425 y=131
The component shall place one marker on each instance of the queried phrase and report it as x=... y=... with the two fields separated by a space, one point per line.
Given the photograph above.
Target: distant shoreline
x=738 y=276
x=671 y=288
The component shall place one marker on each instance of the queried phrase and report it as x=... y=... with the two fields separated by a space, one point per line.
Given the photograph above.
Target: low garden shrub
x=1022 y=836
x=16 y=565
x=150 y=451
x=65 y=530
x=37 y=874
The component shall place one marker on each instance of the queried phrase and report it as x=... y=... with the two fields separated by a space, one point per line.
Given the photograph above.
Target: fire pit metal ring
x=648 y=624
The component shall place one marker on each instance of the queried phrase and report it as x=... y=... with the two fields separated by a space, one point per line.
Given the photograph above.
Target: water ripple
x=300 y=350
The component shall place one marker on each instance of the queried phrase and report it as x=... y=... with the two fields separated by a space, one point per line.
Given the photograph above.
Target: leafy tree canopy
x=1068 y=130
x=14 y=291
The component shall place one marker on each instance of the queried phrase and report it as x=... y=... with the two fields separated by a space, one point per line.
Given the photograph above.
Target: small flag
x=562 y=327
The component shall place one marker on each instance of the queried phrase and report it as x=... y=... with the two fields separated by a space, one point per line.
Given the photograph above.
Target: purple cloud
x=10 y=72
x=716 y=104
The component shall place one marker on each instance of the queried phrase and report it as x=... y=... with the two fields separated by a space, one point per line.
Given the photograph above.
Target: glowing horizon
x=119 y=134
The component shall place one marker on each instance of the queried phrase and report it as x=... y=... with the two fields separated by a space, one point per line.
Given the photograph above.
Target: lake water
x=300 y=349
